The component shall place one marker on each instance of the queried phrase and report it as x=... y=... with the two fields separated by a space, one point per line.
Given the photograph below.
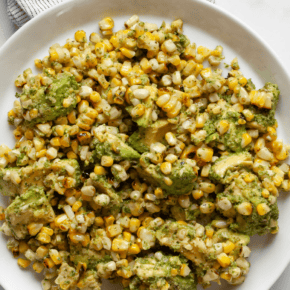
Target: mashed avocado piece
x=232 y=139
x=240 y=191
x=182 y=176
x=264 y=118
x=141 y=139
x=113 y=146
x=31 y=206
x=48 y=100
x=154 y=273
x=224 y=167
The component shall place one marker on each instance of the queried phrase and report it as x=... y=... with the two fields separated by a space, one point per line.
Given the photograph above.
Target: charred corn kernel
x=23 y=263
x=48 y=263
x=223 y=126
x=138 y=111
x=43 y=238
x=197 y=193
x=107 y=161
x=184 y=270
x=265 y=193
x=109 y=220
x=228 y=246
x=76 y=206
x=205 y=154
x=246 y=140
x=134 y=249
x=100 y=170
x=263 y=208
x=249 y=178
x=38 y=267
x=34 y=228
x=226 y=276
x=99 y=221
x=223 y=260
x=245 y=208
x=80 y=36
x=209 y=232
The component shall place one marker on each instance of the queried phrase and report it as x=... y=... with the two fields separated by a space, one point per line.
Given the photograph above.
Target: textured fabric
x=21 y=11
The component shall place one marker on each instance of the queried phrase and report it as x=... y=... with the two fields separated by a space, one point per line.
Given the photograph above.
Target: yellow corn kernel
x=38 y=63
x=53 y=55
x=223 y=260
x=127 y=236
x=100 y=170
x=168 y=181
x=242 y=122
x=277 y=180
x=95 y=97
x=127 y=52
x=223 y=126
x=47 y=230
x=80 y=36
x=76 y=206
x=265 y=193
x=23 y=263
x=55 y=141
x=38 y=267
x=159 y=193
x=282 y=155
x=23 y=247
x=34 y=228
x=114 y=230
x=209 y=232
x=147 y=221
x=48 y=263
x=145 y=65
x=263 y=208
x=245 y=208
x=249 y=178
x=119 y=245
x=106 y=23
x=184 y=270
x=174 y=272
x=43 y=238
x=138 y=111
x=99 y=221
x=71 y=155
x=134 y=225
x=55 y=256
x=205 y=154
x=109 y=220
x=228 y=246
x=226 y=276
x=246 y=140
x=107 y=161
x=232 y=83
x=166 y=168
x=134 y=249
x=197 y=193
x=243 y=81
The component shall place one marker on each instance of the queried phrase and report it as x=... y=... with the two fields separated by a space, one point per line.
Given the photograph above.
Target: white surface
x=268 y=18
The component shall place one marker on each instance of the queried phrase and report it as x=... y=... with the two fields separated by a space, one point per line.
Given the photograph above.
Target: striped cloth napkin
x=21 y=11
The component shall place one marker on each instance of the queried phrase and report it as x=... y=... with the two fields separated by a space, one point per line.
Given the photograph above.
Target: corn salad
x=135 y=160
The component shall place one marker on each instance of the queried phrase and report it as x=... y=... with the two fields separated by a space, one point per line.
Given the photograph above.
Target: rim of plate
x=205 y=3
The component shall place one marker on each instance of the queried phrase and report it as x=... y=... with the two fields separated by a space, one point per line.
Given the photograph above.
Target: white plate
x=206 y=25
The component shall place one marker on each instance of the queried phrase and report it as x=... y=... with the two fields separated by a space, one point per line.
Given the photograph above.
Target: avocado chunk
x=223 y=168
x=188 y=240
x=232 y=139
x=142 y=139
x=31 y=206
x=48 y=100
x=263 y=117
x=182 y=176
x=239 y=192
x=152 y=272
x=42 y=174
x=113 y=146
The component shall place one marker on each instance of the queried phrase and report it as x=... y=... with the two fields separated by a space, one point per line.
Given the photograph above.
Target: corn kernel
x=134 y=249
x=228 y=247
x=223 y=260
x=263 y=208
x=23 y=263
